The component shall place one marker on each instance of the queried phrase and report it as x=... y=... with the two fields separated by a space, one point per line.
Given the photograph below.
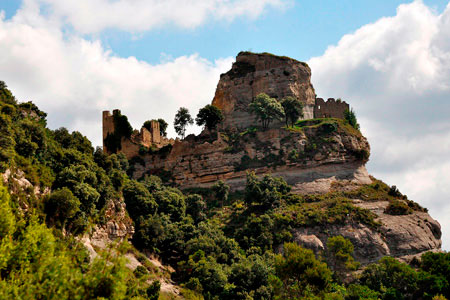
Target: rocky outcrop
x=310 y=158
x=402 y=236
x=117 y=227
x=252 y=74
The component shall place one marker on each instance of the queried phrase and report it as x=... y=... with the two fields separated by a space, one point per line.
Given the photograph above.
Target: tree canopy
x=182 y=119
x=209 y=116
x=266 y=109
x=293 y=110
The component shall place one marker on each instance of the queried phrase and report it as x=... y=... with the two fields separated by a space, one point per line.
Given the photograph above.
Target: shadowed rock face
x=252 y=74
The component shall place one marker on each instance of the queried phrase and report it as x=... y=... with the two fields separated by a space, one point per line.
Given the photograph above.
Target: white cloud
x=74 y=79
x=93 y=16
x=396 y=74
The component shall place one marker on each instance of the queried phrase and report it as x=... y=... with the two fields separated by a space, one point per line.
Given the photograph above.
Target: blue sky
x=303 y=30
x=389 y=59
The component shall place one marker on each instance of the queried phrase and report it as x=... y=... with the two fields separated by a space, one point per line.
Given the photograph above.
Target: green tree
x=61 y=205
x=299 y=271
x=138 y=199
x=153 y=290
x=293 y=109
x=391 y=278
x=221 y=191
x=210 y=116
x=182 y=119
x=162 y=127
x=171 y=202
x=196 y=207
x=350 y=117
x=266 y=192
x=266 y=109
x=340 y=251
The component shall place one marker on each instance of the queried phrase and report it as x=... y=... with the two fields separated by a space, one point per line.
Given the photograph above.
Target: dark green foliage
x=299 y=271
x=340 y=251
x=397 y=207
x=61 y=206
x=361 y=292
x=394 y=192
x=7 y=142
x=162 y=127
x=196 y=207
x=251 y=274
x=293 y=110
x=221 y=191
x=266 y=109
x=153 y=290
x=182 y=119
x=5 y=94
x=390 y=276
x=209 y=116
x=35 y=264
x=171 y=202
x=350 y=117
x=138 y=199
x=267 y=191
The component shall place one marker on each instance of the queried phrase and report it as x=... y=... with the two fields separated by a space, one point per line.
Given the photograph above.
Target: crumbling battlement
x=330 y=109
x=138 y=139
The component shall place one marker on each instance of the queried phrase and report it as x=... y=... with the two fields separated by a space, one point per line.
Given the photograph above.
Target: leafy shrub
x=397 y=207
x=61 y=205
x=298 y=271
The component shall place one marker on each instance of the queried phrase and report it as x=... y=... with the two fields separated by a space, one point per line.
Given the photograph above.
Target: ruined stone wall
x=130 y=146
x=330 y=109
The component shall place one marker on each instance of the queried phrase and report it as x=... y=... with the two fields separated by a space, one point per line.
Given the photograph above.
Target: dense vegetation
x=220 y=244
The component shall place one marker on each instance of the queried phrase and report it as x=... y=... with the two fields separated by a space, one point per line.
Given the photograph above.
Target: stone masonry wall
x=330 y=109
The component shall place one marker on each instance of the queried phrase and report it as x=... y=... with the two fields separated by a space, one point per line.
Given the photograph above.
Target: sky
x=389 y=59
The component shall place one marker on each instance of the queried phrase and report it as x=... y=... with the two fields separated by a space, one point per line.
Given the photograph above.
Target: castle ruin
x=330 y=109
x=139 y=139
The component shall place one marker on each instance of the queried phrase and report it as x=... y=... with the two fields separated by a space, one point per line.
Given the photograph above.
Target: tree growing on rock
x=182 y=119
x=266 y=109
x=350 y=117
x=209 y=116
x=340 y=251
x=293 y=110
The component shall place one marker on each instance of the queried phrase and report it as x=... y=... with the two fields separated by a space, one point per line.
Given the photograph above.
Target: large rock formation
x=315 y=157
x=252 y=74
x=310 y=158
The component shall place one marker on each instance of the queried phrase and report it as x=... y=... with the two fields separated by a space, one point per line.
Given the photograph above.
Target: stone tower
x=108 y=125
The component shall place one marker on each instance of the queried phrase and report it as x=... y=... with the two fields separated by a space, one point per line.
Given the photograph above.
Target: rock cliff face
x=310 y=158
x=401 y=236
x=253 y=74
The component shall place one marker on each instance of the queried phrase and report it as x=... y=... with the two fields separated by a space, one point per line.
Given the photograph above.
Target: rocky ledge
x=402 y=236
x=310 y=157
